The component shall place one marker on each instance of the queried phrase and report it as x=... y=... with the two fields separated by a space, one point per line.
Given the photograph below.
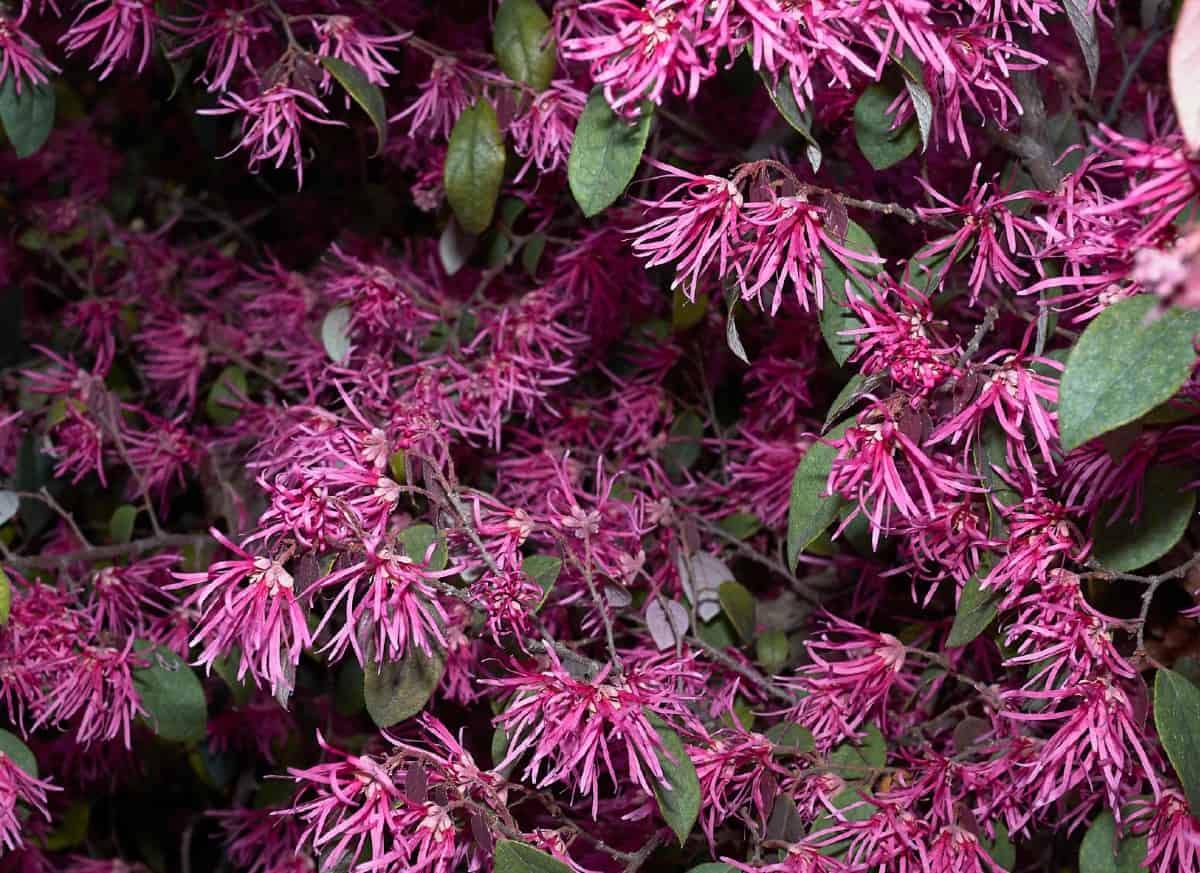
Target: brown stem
x=103 y=553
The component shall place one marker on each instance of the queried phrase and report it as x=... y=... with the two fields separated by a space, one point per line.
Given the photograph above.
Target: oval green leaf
x=1123 y=366
x=679 y=799
x=738 y=604
x=398 y=690
x=364 y=92
x=605 y=153
x=5 y=598
x=28 y=117
x=852 y=761
x=171 y=694
x=543 y=571
x=120 y=526
x=225 y=398
x=1176 y=713
x=790 y=737
x=1096 y=852
x=514 y=857
x=810 y=511
x=684 y=443
x=772 y=650
x=417 y=538
x=72 y=828
x=21 y=755
x=799 y=119
x=976 y=610
x=1166 y=512
x=475 y=167
x=521 y=40
x=836 y=316
x=1001 y=849
x=879 y=143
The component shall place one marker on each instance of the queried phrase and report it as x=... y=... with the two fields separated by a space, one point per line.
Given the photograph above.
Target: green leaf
x=365 y=93
x=475 y=166
x=417 y=538
x=28 y=117
x=879 y=144
x=171 y=694
x=684 y=313
x=11 y=745
x=397 y=690
x=1166 y=512
x=809 y=510
x=499 y=746
x=1001 y=849
x=531 y=254
x=120 y=526
x=521 y=41
x=513 y=857
x=712 y=867
x=226 y=396
x=1123 y=366
x=836 y=316
x=348 y=691
x=850 y=806
x=800 y=119
x=396 y=465
x=991 y=460
x=499 y=239
x=72 y=827
x=857 y=531
x=738 y=604
x=852 y=761
x=772 y=649
x=739 y=713
x=680 y=802
x=226 y=667
x=605 y=153
x=741 y=525
x=1096 y=853
x=925 y=271
x=792 y=737
x=845 y=398
x=732 y=339
x=922 y=105
x=5 y=598
x=683 y=443
x=1176 y=713
x=976 y=610
x=718 y=632
x=1083 y=22
x=543 y=570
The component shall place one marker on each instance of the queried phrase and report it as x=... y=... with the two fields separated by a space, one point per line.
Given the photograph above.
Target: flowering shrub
x=600 y=435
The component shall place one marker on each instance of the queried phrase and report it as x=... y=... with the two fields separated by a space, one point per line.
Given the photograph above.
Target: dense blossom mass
x=599 y=436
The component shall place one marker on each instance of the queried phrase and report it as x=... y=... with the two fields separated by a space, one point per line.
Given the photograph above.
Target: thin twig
x=1033 y=144
x=751 y=553
x=1114 y=107
x=104 y=553
x=1152 y=583
x=748 y=673
x=984 y=328
x=109 y=420
x=909 y=215
x=643 y=854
